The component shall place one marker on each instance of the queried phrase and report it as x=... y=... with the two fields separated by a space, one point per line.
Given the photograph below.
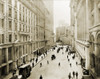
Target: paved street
x=52 y=70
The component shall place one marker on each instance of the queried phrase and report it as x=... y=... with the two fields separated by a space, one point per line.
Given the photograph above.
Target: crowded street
x=59 y=68
x=49 y=39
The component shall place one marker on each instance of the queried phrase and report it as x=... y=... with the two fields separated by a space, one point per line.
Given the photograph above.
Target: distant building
x=63 y=33
x=85 y=19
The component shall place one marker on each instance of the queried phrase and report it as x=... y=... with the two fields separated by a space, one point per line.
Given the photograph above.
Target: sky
x=61 y=12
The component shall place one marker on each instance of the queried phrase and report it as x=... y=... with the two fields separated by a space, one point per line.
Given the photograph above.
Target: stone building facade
x=49 y=32
x=22 y=32
x=85 y=18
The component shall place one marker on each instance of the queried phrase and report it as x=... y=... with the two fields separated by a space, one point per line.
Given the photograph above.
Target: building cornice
x=84 y=43
x=94 y=28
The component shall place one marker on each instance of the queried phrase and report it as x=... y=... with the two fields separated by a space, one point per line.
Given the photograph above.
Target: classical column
x=96 y=55
x=87 y=58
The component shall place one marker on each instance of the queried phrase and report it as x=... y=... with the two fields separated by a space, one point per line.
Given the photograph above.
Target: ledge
x=84 y=43
x=94 y=28
x=23 y=55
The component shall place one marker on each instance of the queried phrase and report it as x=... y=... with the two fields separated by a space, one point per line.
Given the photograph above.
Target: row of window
x=12 y=2
x=24 y=38
x=25 y=28
x=13 y=24
x=4 y=53
x=40 y=21
x=1 y=23
x=26 y=15
x=9 y=38
x=22 y=27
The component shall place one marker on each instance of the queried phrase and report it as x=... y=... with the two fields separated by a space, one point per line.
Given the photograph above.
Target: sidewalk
x=10 y=74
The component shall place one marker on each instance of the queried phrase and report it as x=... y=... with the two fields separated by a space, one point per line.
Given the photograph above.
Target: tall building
x=49 y=27
x=22 y=32
x=85 y=18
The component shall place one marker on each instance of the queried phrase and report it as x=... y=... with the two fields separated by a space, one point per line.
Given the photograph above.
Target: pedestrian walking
x=69 y=76
x=33 y=64
x=76 y=75
x=70 y=65
x=47 y=62
x=41 y=77
x=40 y=64
x=36 y=60
x=68 y=59
x=62 y=52
x=59 y=64
x=67 y=56
x=73 y=74
x=76 y=63
x=73 y=57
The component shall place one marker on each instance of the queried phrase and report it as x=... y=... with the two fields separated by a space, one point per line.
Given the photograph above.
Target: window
x=1 y=38
x=20 y=16
x=26 y=38
x=10 y=12
x=15 y=26
x=4 y=55
x=10 y=38
x=16 y=52
x=3 y=72
x=20 y=51
x=2 y=23
x=1 y=8
x=15 y=14
x=23 y=13
x=23 y=50
x=10 y=67
x=15 y=37
x=92 y=19
x=20 y=27
x=22 y=37
x=24 y=28
x=10 y=53
x=10 y=25
x=20 y=7
x=16 y=3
